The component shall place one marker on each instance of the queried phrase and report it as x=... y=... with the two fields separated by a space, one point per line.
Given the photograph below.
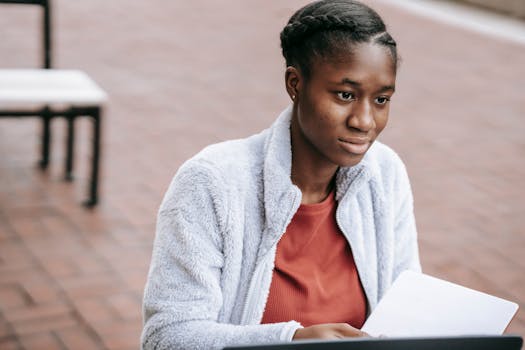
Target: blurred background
x=183 y=74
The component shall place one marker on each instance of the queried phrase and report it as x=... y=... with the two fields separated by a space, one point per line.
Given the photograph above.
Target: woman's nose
x=361 y=117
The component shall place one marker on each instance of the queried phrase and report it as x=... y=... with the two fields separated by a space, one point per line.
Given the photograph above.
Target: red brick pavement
x=183 y=74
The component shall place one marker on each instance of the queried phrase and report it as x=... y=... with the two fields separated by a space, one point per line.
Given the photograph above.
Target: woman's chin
x=351 y=161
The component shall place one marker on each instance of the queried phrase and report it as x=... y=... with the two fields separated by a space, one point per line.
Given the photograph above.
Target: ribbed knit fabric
x=315 y=278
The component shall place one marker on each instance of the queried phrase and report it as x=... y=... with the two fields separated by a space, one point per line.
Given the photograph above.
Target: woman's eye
x=345 y=95
x=381 y=100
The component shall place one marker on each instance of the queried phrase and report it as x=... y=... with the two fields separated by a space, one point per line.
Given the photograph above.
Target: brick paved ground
x=183 y=74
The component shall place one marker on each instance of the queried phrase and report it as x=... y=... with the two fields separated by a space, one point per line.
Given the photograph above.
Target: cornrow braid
x=296 y=31
x=323 y=28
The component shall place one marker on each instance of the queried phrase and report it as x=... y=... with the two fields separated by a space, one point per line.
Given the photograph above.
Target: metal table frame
x=70 y=114
x=47 y=113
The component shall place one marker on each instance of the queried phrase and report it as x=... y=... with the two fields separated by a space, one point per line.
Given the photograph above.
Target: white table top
x=48 y=86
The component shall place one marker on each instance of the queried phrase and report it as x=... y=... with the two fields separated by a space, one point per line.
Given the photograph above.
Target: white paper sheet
x=421 y=305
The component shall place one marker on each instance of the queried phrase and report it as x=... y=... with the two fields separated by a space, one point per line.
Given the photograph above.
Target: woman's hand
x=328 y=331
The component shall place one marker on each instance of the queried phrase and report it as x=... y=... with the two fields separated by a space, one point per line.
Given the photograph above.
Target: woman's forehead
x=363 y=62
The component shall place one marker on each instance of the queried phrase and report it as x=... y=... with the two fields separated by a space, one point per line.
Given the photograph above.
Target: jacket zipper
x=357 y=259
x=249 y=304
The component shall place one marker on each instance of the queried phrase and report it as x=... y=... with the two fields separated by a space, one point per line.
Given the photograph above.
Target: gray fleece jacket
x=219 y=224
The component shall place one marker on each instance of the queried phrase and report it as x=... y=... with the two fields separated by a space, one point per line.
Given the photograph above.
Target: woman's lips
x=355 y=146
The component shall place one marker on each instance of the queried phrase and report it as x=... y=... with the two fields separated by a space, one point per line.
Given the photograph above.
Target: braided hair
x=325 y=28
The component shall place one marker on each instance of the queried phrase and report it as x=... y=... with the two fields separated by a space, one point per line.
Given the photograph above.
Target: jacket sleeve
x=406 y=246
x=183 y=297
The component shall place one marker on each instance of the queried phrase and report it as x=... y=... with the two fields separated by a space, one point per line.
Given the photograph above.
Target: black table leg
x=93 y=189
x=46 y=138
x=70 y=141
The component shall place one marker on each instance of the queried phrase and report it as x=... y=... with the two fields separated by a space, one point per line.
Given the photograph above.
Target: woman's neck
x=314 y=176
x=313 y=190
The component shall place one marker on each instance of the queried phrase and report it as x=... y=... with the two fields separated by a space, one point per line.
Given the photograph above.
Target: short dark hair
x=323 y=28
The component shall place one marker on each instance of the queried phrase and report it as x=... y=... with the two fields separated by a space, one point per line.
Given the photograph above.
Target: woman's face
x=344 y=105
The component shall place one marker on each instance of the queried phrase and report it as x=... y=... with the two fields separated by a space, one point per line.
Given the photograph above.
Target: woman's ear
x=293 y=82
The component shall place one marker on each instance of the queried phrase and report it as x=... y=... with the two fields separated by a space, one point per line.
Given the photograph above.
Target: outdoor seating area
x=136 y=88
x=36 y=93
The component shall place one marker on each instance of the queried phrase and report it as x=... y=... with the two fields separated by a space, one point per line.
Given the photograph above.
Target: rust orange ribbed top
x=315 y=279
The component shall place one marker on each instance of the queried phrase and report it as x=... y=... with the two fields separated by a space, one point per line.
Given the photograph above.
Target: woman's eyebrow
x=346 y=81
x=387 y=88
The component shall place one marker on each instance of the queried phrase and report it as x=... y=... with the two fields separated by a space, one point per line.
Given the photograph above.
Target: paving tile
x=95 y=311
x=79 y=338
x=32 y=326
x=135 y=280
x=124 y=335
x=60 y=267
x=13 y=255
x=15 y=274
x=12 y=296
x=127 y=306
x=42 y=290
x=10 y=343
x=6 y=234
x=6 y=331
x=31 y=282
x=41 y=318
x=42 y=341
x=38 y=312
x=88 y=286
x=25 y=221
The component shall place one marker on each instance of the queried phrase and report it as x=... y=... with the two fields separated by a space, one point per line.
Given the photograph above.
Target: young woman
x=296 y=232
